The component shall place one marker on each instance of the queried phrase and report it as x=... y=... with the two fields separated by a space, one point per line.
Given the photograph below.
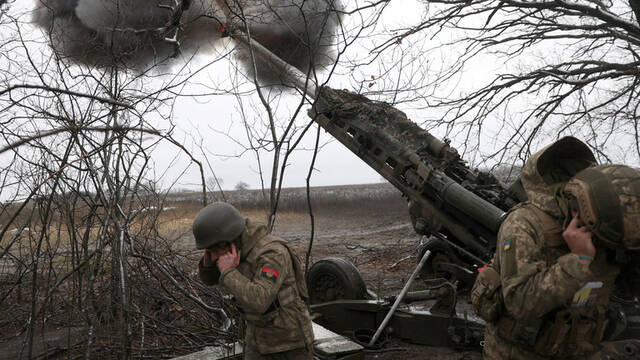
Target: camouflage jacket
x=554 y=305
x=266 y=288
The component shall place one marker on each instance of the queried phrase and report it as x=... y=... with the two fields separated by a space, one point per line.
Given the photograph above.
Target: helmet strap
x=564 y=200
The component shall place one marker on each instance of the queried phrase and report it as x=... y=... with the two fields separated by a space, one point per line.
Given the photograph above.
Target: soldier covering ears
x=546 y=293
x=265 y=278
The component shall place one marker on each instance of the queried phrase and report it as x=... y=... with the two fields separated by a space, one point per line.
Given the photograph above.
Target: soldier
x=546 y=292
x=263 y=275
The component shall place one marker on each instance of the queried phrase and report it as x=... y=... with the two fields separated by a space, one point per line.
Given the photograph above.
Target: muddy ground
x=368 y=225
x=378 y=238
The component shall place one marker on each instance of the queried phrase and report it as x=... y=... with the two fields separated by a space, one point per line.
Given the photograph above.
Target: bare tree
x=241 y=185
x=566 y=68
x=214 y=184
x=83 y=215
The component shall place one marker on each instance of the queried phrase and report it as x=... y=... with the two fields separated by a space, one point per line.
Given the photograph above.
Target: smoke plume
x=128 y=33
x=301 y=32
x=138 y=33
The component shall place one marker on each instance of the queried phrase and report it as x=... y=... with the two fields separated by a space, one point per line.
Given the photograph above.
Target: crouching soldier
x=265 y=278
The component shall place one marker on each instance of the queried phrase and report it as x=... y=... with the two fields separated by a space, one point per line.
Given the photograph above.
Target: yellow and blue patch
x=586 y=294
x=506 y=246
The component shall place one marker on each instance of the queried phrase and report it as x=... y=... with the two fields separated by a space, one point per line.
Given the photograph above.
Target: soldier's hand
x=230 y=259
x=209 y=258
x=578 y=238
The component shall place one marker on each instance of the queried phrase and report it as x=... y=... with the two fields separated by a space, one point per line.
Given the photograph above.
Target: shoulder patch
x=587 y=294
x=508 y=258
x=270 y=274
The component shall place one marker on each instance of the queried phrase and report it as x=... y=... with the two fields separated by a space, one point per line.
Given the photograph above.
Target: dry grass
x=339 y=202
x=173 y=323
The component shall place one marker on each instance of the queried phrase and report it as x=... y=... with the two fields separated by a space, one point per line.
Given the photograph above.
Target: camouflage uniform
x=268 y=285
x=553 y=305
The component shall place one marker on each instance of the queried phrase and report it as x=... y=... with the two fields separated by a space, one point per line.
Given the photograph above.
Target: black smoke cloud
x=301 y=32
x=134 y=33
x=128 y=33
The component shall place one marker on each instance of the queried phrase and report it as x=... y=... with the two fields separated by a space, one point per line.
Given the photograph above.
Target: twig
x=399 y=261
x=52 y=132
x=65 y=91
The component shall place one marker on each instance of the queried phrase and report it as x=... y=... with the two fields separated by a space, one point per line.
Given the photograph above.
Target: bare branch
x=67 y=92
x=74 y=129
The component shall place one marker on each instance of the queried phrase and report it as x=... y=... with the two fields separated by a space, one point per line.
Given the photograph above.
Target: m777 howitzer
x=459 y=208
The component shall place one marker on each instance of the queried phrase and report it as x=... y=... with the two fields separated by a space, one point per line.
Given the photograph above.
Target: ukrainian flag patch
x=506 y=246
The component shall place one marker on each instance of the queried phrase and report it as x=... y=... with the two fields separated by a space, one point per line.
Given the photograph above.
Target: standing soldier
x=546 y=293
x=265 y=277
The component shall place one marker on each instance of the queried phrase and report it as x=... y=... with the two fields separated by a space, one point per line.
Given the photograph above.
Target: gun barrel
x=477 y=208
x=290 y=73
x=469 y=203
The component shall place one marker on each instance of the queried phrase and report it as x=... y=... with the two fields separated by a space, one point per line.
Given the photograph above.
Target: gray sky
x=202 y=122
x=211 y=127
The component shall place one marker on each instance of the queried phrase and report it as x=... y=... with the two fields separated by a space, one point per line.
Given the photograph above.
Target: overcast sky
x=211 y=126
x=206 y=119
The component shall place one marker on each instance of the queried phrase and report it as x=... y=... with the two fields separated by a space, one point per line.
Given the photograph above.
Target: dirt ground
x=368 y=225
x=381 y=242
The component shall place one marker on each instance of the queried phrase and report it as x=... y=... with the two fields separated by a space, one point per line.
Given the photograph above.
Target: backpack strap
x=297 y=268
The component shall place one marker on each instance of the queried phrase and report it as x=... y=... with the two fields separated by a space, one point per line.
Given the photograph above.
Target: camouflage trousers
x=251 y=353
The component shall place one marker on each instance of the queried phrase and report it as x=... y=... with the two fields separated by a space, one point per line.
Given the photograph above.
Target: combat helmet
x=607 y=198
x=215 y=223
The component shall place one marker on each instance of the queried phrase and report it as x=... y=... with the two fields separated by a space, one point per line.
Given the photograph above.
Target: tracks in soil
x=340 y=234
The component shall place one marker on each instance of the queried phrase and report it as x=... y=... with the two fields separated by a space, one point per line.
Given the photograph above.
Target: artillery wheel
x=334 y=279
x=440 y=254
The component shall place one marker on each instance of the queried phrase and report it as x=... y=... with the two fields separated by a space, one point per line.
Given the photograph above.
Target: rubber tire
x=439 y=251
x=333 y=279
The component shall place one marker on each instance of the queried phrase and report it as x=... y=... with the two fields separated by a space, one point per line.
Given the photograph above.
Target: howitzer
x=460 y=208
